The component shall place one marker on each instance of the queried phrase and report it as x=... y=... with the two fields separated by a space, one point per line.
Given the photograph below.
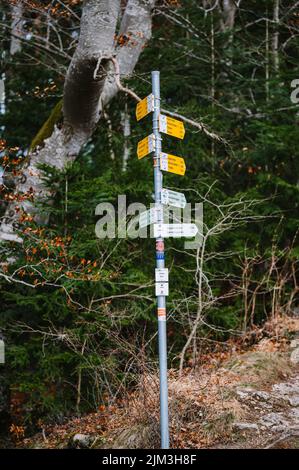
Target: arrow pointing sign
x=144 y=107
x=175 y=230
x=150 y=216
x=146 y=146
x=173 y=198
x=172 y=163
x=171 y=126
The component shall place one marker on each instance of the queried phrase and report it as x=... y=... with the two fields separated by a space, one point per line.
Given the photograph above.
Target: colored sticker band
x=161 y=314
x=160 y=246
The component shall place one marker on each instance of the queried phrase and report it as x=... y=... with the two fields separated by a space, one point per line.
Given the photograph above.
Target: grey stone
x=294 y=401
x=264 y=396
x=295 y=356
x=246 y=426
x=81 y=440
x=294 y=343
x=242 y=395
x=296 y=311
x=274 y=420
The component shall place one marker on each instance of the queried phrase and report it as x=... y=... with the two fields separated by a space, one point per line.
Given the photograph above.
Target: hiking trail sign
x=163 y=196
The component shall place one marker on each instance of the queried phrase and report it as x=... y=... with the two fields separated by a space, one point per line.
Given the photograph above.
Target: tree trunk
x=125 y=121
x=275 y=39
x=228 y=13
x=16 y=28
x=90 y=84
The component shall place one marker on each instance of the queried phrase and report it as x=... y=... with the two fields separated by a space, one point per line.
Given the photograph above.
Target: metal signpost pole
x=160 y=263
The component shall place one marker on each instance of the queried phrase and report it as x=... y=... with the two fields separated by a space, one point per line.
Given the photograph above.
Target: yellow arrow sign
x=146 y=146
x=172 y=164
x=145 y=106
x=171 y=126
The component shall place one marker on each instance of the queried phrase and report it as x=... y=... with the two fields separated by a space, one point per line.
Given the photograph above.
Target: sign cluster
x=169 y=163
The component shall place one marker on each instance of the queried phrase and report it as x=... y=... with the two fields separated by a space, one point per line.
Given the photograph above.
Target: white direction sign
x=152 y=215
x=175 y=230
x=173 y=198
x=161 y=274
x=162 y=288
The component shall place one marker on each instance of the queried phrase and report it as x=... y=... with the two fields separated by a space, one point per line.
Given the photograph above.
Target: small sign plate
x=150 y=216
x=162 y=288
x=145 y=107
x=146 y=146
x=161 y=274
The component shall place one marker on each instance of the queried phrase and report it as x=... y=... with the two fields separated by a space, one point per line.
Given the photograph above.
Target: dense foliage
x=78 y=313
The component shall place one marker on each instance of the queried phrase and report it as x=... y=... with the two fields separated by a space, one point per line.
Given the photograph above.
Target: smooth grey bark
x=16 y=28
x=90 y=84
x=275 y=39
x=126 y=125
x=228 y=9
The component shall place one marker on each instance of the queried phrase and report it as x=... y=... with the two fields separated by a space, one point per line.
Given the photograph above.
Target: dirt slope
x=240 y=399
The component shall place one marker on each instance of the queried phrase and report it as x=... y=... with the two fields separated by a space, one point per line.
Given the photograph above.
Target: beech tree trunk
x=275 y=39
x=90 y=84
x=228 y=10
x=16 y=28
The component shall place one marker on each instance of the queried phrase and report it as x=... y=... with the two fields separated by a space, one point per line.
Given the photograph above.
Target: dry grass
x=260 y=368
x=203 y=405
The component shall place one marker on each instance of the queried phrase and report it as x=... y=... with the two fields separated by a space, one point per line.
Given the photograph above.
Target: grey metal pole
x=160 y=263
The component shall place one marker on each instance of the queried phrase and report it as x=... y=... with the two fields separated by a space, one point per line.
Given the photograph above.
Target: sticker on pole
x=161 y=314
x=146 y=146
x=173 y=198
x=160 y=246
x=161 y=274
x=162 y=288
x=171 y=126
x=144 y=107
x=175 y=230
x=172 y=164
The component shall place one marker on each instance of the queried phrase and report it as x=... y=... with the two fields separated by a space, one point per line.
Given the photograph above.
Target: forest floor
x=241 y=398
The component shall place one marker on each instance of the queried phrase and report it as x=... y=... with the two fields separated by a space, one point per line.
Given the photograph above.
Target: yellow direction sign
x=171 y=126
x=146 y=146
x=172 y=164
x=144 y=107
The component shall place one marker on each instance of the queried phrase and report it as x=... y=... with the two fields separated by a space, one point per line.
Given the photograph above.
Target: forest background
x=78 y=313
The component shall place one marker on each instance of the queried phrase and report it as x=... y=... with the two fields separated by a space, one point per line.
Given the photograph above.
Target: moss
x=48 y=126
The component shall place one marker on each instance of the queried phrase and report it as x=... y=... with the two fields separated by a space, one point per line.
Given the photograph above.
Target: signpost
x=173 y=198
x=175 y=230
x=173 y=164
x=161 y=274
x=171 y=126
x=160 y=264
x=161 y=288
x=144 y=107
x=146 y=146
x=149 y=217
